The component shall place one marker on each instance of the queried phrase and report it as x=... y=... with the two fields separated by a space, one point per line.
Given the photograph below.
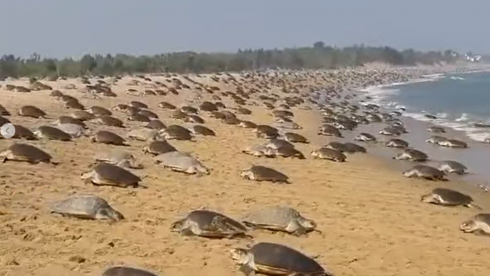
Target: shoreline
x=473 y=157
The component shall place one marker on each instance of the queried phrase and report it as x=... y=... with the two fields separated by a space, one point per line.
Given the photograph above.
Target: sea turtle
x=425 y=172
x=167 y=105
x=262 y=173
x=68 y=120
x=99 y=111
x=285 y=152
x=265 y=131
x=258 y=151
x=329 y=130
x=279 y=143
x=74 y=104
x=353 y=148
x=365 y=137
x=287 y=125
x=144 y=134
x=449 y=166
x=23 y=132
x=436 y=129
x=435 y=139
x=31 y=111
x=478 y=224
x=109 y=121
x=295 y=138
x=4 y=111
x=202 y=130
x=178 y=114
x=276 y=259
x=126 y=271
x=232 y=121
x=208 y=106
x=52 y=133
x=181 y=162
x=73 y=130
x=4 y=120
x=139 y=118
x=138 y=104
x=453 y=143
x=119 y=158
x=336 y=146
x=397 y=143
x=189 y=109
x=209 y=224
x=448 y=197
x=82 y=115
x=105 y=174
x=176 y=132
x=156 y=124
x=247 y=124
x=329 y=154
x=412 y=155
x=107 y=137
x=148 y=113
x=159 y=147
x=279 y=218
x=86 y=207
x=194 y=119
x=26 y=153
x=392 y=131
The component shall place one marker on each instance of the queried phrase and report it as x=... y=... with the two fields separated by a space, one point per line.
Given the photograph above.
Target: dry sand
x=371 y=217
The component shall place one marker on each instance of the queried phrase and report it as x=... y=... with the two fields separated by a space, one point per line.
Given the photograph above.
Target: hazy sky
x=59 y=28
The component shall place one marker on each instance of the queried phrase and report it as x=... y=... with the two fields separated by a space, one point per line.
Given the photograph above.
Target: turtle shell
x=82 y=115
x=268 y=174
x=126 y=271
x=202 y=130
x=278 y=259
x=31 y=111
x=295 y=138
x=4 y=120
x=23 y=132
x=71 y=120
x=178 y=132
x=272 y=217
x=100 y=111
x=167 y=105
x=29 y=153
x=156 y=124
x=160 y=147
x=205 y=218
x=107 y=137
x=452 y=197
x=111 y=121
x=53 y=133
x=115 y=174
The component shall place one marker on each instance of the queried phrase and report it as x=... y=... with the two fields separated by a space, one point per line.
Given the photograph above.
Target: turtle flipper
x=300 y=232
x=247 y=270
x=473 y=205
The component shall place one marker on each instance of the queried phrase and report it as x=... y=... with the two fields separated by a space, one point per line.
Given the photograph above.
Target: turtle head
x=468 y=226
x=314 y=153
x=109 y=214
x=408 y=173
x=240 y=255
x=429 y=198
x=177 y=226
x=86 y=175
x=308 y=224
x=245 y=174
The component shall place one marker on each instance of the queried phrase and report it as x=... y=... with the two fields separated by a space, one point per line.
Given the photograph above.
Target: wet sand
x=370 y=215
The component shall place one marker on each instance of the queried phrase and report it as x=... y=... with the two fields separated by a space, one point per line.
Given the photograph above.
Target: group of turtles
x=116 y=167
x=344 y=115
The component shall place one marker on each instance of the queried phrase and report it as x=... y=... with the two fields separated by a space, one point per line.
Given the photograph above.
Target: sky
x=62 y=28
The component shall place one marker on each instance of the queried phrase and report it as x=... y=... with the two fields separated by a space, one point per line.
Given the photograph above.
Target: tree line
x=318 y=56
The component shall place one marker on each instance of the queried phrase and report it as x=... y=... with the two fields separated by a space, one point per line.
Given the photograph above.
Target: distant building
x=473 y=58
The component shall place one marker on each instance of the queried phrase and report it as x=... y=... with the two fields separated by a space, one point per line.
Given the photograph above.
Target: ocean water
x=458 y=101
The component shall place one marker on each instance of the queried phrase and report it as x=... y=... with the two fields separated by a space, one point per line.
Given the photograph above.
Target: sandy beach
x=371 y=217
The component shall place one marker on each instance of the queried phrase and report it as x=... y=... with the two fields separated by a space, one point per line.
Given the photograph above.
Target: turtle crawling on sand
x=86 y=207
x=478 y=224
x=126 y=271
x=448 y=197
x=450 y=166
x=261 y=173
x=181 y=162
x=425 y=172
x=52 y=133
x=107 y=137
x=119 y=158
x=412 y=155
x=208 y=224
x=285 y=219
x=258 y=151
x=26 y=153
x=276 y=259
x=329 y=154
x=105 y=174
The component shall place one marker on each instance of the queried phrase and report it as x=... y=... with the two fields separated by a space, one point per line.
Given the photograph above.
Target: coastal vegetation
x=318 y=56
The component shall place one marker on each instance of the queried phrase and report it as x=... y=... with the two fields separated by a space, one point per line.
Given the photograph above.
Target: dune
x=371 y=218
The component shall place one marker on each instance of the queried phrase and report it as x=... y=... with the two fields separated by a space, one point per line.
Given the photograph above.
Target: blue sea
x=459 y=101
